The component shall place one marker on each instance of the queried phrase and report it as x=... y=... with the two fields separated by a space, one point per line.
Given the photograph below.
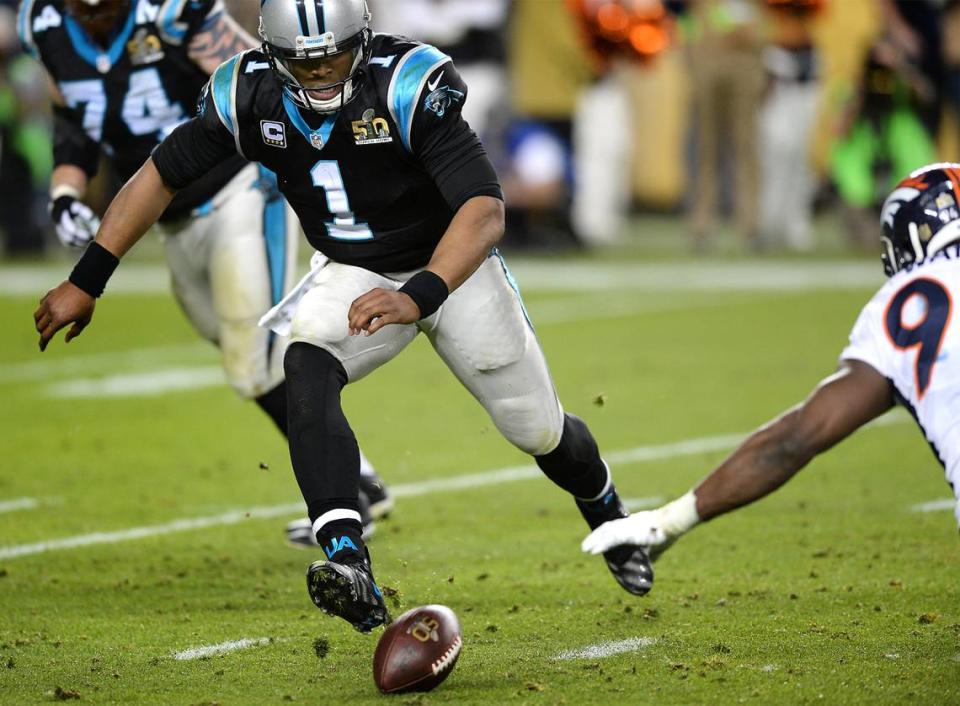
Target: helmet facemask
x=294 y=67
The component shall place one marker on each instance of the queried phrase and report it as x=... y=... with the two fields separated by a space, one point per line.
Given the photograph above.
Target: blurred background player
x=472 y=33
x=25 y=161
x=724 y=43
x=883 y=135
x=788 y=118
x=620 y=35
x=123 y=76
x=904 y=349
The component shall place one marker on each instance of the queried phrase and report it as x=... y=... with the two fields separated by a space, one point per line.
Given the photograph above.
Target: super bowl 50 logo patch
x=371 y=130
x=144 y=48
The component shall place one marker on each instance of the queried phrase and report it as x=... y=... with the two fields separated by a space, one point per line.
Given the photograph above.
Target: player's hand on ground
x=379 y=307
x=76 y=223
x=643 y=529
x=66 y=304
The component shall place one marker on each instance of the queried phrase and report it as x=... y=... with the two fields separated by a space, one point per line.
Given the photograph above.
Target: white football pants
x=229 y=263
x=481 y=332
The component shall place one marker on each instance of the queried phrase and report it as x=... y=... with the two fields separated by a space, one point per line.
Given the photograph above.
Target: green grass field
x=831 y=590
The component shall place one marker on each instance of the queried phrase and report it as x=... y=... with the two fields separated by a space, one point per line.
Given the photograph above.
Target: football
x=418 y=650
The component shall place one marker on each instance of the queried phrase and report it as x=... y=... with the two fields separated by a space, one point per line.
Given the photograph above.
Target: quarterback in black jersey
x=124 y=74
x=365 y=135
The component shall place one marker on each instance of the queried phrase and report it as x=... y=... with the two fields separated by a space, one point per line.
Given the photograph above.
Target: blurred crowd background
x=753 y=113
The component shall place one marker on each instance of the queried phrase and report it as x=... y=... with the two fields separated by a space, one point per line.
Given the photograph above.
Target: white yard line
x=221 y=649
x=934 y=505
x=608 y=649
x=19 y=504
x=592 y=308
x=34 y=280
x=42 y=369
x=544 y=275
x=185 y=525
x=689 y=447
x=157 y=382
x=769 y=275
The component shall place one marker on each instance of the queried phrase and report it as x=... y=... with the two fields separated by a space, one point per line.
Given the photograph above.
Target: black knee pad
x=575 y=465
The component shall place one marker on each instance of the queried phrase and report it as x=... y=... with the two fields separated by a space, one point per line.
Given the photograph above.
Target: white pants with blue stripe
x=481 y=332
x=229 y=263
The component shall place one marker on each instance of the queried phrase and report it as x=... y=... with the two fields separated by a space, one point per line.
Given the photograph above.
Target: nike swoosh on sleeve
x=433 y=86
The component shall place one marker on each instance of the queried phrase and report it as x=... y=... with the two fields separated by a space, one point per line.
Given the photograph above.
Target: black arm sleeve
x=446 y=146
x=193 y=149
x=71 y=145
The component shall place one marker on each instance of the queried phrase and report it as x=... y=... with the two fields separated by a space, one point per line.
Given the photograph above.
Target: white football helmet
x=299 y=30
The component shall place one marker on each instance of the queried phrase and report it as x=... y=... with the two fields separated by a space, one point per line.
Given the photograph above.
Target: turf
x=828 y=591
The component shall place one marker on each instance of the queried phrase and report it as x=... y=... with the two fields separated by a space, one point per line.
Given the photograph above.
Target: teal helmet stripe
x=313 y=11
x=302 y=15
x=321 y=17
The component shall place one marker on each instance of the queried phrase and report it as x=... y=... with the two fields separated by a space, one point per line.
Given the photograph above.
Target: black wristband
x=428 y=291
x=93 y=269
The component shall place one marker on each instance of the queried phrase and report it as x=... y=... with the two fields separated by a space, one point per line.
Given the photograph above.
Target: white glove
x=75 y=222
x=654 y=530
x=642 y=528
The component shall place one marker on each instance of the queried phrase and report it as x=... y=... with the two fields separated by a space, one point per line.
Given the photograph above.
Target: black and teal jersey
x=374 y=185
x=123 y=98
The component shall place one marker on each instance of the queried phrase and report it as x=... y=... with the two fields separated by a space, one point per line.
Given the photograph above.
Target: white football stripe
x=42 y=370
x=539 y=275
x=608 y=649
x=222 y=648
x=690 y=447
x=934 y=505
x=157 y=382
x=19 y=504
x=34 y=280
x=85 y=540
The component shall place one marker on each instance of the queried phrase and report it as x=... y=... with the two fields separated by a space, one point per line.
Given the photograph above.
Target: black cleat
x=381 y=502
x=299 y=533
x=629 y=563
x=347 y=591
x=631 y=567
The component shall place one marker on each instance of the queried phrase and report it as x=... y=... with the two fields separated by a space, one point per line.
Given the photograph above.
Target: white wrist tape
x=65 y=190
x=680 y=516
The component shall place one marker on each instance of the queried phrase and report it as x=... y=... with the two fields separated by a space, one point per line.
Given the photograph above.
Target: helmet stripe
x=302 y=14
x=313 y=26
x=953 y=174
x=321 y=17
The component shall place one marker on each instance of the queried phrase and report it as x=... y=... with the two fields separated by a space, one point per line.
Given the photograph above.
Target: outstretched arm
x=773 y=454
x=138 y=205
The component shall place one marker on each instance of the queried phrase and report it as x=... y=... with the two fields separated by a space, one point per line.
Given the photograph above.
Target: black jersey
x=374 y=185
x=127 y=96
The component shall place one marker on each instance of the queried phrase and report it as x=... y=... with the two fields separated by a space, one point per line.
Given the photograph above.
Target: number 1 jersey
x=375 y=184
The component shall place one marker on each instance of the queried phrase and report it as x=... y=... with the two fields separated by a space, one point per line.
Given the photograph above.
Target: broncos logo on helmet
x=921 y=216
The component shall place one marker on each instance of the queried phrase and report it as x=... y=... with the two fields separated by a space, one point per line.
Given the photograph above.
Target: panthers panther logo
x=442 y=98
